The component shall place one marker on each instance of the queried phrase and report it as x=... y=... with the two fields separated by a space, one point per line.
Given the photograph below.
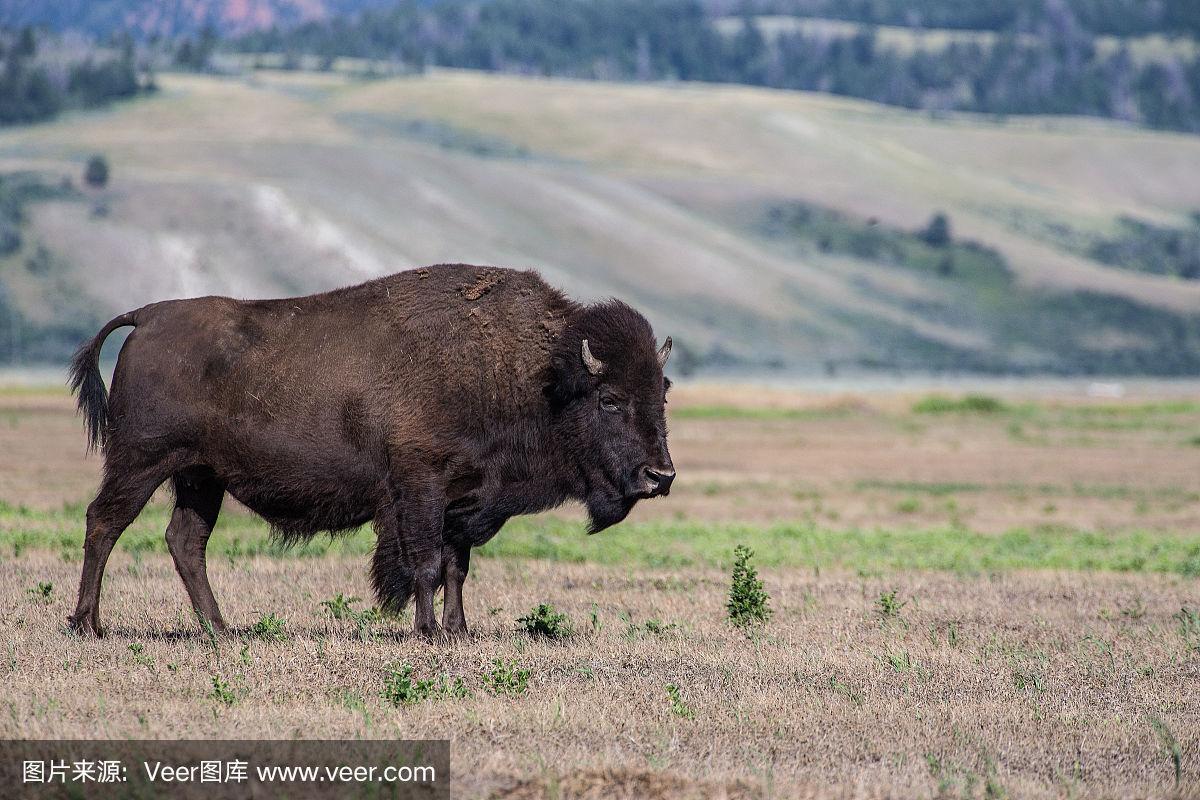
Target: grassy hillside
x=665 y=195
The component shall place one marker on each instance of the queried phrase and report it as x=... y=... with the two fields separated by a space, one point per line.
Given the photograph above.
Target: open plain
x=989 y=595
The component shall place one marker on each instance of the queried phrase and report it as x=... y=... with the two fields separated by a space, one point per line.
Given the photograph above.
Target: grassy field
x=973 y=596
x=275 y=183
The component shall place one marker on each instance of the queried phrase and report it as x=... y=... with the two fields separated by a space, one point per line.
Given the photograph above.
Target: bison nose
x=659 y=479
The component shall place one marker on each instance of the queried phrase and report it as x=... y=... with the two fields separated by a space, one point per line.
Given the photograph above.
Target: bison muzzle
x=435 y=403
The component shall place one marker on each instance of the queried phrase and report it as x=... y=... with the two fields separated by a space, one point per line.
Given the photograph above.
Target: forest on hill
x=1038 y=57
x=1119 y=59
x=1114 y=17
x=36 y=83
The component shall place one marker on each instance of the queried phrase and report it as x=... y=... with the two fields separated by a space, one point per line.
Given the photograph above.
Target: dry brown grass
x=1029 y=684
x=846 y=461
x=1042 y=684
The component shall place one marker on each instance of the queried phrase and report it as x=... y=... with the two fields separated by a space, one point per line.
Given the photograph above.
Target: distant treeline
x=34 y=88
x=1111 y=17
x=1044 y=60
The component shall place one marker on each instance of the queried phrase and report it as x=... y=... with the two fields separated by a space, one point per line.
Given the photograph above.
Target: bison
x=435 y=403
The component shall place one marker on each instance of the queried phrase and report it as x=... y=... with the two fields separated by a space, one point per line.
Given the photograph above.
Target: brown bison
x=436 y=403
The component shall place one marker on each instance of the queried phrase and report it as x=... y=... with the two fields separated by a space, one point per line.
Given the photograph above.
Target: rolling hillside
x=669 y=196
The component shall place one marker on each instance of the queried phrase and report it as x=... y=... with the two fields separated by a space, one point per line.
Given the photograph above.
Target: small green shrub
x=678 y=706
x=340 y=607
x=401 y=688
x=41 y=593
x=748 y=602
x=270 y=628
x=506 y=678
x=139 y=654
x=546 y=622
x=651 y=627
x=889 y=605
x=453 y=687
x=365 y=621
x=222 y=693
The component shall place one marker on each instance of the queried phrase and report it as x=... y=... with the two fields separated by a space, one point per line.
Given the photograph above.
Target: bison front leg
x=456 y=560
x=408 y=555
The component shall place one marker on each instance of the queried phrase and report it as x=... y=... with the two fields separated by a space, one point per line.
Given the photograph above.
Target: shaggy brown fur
x=436 y=403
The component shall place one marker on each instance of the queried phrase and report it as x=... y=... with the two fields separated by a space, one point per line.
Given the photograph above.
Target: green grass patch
x=971 y=403
x=683 y=543
x=1165 y=417
x=401 y=687
x=728 y=412
x=270 y=628
x=506 y=678
x=544 y=621
x=679 y=544
x=936 y=489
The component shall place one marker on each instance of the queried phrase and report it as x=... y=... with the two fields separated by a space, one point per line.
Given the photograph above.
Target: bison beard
x=435 y=403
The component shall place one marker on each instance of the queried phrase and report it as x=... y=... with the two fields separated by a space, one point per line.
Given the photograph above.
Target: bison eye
x=609 y=405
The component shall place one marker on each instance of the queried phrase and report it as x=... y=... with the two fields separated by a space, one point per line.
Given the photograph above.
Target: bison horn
x=593 y=364
x=664 y=353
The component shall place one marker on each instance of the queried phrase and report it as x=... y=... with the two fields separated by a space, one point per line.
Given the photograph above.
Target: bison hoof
x=456 y=632
x=85 y=625
x=427 y=632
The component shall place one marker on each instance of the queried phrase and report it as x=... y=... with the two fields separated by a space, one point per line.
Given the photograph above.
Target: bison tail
x=89 y=385
x=392 y=580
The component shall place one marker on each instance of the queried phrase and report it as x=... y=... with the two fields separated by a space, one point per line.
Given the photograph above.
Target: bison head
x=609 y=392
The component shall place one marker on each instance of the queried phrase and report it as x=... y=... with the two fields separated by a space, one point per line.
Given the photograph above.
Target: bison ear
x=568 y=380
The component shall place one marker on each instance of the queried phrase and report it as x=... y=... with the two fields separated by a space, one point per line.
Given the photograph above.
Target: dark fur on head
x=612 y=446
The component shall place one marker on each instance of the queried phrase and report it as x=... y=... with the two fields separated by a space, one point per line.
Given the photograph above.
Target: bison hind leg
x=394 y=583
